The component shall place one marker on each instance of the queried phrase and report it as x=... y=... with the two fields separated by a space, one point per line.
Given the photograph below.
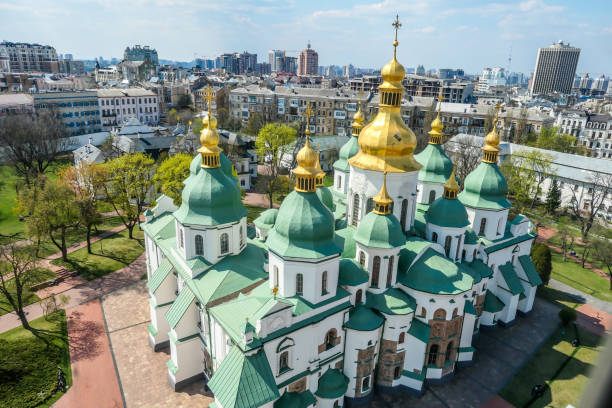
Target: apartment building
x=118 y=105
x=592 y=130
x=453 y=90
x=308 y=62
x=219 y=98
x=555 y=69
x=25 y=57
x=79 y=111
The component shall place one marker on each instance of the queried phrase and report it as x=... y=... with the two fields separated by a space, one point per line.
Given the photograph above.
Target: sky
x=464 y=34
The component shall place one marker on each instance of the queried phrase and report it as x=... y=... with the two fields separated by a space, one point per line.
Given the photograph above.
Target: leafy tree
x=525 y=172
x=521 y=125
x=31 y=142
x=466 y=155
x=172 y=116
x=222 y=117
x=256 y=122
x=128 y=187
x=272 y=143
x=566 y=237
x=553 y=199
x=603 y=252
x=109 y=148
x=542 y=260
x=197 y=126
x=550 y=139
x=170 y=175
x=589 y=199
x=184 y=101
x=52 y=209
x=567 y=315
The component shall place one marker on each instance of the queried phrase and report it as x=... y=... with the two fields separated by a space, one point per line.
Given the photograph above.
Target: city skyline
x=435 y=33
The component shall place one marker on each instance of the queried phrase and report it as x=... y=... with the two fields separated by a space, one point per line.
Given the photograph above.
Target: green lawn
x=29 y=297
x=558 y=297
x=9 y=222
x=109 y=254
x=567 y=387
x=253 y=212
x=571 y=273
x=28 y=374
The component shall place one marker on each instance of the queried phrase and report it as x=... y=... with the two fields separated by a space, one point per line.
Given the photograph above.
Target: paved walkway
x=258 y=200
x=594 y=320
x=94 y=381
x=581 y=296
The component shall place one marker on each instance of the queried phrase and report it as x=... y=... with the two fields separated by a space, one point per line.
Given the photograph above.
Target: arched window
x=423 y=312
x=369 y=205
x=199 y=245
x=499 y=226
x=455 y=312
x=440 y=314
x=330 y=339
x=283 y=361
x=324 y=283
x=447 y=354
x=336 y=404
x=404 y=213
x=396 y=372
x=358 y=296
x=375 y=271
x=447 y=244
x=390 y=271
x=365 y=384
x=338 y=182
x=483 y=226
x=474 y=255
x=181 y=238
x=463 y=255
x=224 y=243
x=515 y=252
x=241 y=236
x=432 y=357
x=434 y=237
x=299 y=284
x=275 y=275
x=401 y=337
x=432 y=196
x=362 y=258
x=355 y=219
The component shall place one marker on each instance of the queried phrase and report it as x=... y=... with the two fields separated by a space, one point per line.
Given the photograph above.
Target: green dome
x=485 y=187
x=226 y=165
x=351 y=273
x=447 y=213
x=332 y=384
x=363 y=319
x=267 y=218
x=210 y=197
x=348 y=150
x=326 y=197
x=304 y=228
x=437 y=166
x=380 y=231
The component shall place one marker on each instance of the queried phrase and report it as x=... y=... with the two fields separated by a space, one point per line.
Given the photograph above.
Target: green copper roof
x=419 y=223
x=414 y=246
x=345 y=239
x=473 y=273
x=469 y=308
x=326 y=197
x=492 y=303
x=419 y=330
x=159 y=275
x=511 y=279
x=482 y=268
x=363 y=319
x=434 y=273
x=380 y=231
x=351 y=273
x=391 y=302
x=210 y=197
x=505 y=242
x=348 y=150
x=447 y=213
x=532 y=274
x=437 y=166
x=160 y=227
x=332 y=384
x=470 y=237
x=179 y=307
x=295 y=400
x=485 y=187
x=304 y=228
x=244 y=381
x=267 y=218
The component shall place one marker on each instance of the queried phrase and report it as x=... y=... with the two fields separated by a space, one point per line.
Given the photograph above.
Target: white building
x=118 y=105
x=491 y=77
x=593 y=131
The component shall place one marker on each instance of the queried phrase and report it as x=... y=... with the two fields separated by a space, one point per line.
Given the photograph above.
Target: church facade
x=380 y=282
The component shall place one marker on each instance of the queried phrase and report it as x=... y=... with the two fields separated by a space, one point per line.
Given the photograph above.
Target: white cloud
x=425 y=30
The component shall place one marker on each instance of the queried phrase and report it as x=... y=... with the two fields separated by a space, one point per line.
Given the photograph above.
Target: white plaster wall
x=344 y=177
x=457 y=235
x=358 y=340
x=414 y=358
x=467 y=330
x=158 y=320
x=219 y=343
x=496 y=221
x=188 y=366
x=394 y=325
x=487 y=319
x=424 y=189
x=440 y=302
x=385 y=255
x=188 y=324
x=353 y=291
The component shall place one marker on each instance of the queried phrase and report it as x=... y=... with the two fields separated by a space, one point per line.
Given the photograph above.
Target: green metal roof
x=511 y=279
x=392 y=302
x=159 y=275
x=304 y=228
x=420 y=223
x=532 y=275
x=363 y=319
x=414 y=246
x=351 y=273
x=179 y=307
x=482 y=268
x=160 y=227
x=510 y=242
x=348 y=150
x=469 y=308
x=380 y=231
x=485 y=187
x=244 y=381
x=345 y=239
x=326 y=197
x=437 y=166
x=470 y=237
x=267 y=218
x=492 y=303
x=444 y=212
x=295 y=400
x=519 y=219
x=419 y=330
x=332 y=384
x=434 y=273
x=474 y=274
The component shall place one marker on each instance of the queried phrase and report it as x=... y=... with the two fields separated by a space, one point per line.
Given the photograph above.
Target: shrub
x=567 y=315
x=542 y=260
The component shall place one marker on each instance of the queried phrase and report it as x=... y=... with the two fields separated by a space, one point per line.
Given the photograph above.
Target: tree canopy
x=170 y=175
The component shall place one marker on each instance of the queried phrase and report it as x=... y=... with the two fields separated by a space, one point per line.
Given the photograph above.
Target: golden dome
x=306 y=172
x=451 y=187
x=307 y=156
x=393 y=71
x=358 y=117
x=209 y=136
x=492 y=139
x=208 y=119
x=382 y=201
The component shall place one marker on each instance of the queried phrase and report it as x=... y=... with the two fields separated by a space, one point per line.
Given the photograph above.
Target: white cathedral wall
x=394 y=325
x=354 y=289
x=385 y=256
x=212 y=240
x=340 y=181
x=456 y=234
x=424 y=190
x=219 y=345
x=495 y=224
x=467 y=331
x=423 y=300
x=414 y=359
x=358 y=340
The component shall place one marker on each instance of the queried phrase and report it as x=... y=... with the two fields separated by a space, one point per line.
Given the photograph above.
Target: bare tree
x=587 y=201
x=31 y=142
x=465 y=152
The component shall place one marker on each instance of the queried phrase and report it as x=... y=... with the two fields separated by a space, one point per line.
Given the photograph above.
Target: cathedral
x=379 y=283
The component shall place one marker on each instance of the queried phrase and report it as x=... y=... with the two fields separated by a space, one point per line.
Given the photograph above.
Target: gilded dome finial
x=210 y=138
x=451 y=187
x=358 y=117
x=435 y=134
x=490 y=149
x=306 y=172
x=308 y=112
x=320 y=173
x=396 y=24
x=382 y=201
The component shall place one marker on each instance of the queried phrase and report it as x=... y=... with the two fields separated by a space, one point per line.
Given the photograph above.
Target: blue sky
x=436 y=33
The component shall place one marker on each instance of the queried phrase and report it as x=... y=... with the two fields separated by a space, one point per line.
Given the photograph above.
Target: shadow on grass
x=560 y=298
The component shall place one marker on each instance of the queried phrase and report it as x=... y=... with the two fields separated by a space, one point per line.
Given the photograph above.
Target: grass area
x=28 y=375
x=567 y=386
x=558 y=297
x=586 y=280
x=109 y=255
x=9 y=221
x=253 y=212
x=328 y=180
x=38 y=275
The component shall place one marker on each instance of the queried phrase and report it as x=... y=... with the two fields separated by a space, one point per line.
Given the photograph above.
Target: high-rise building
x=491 y=77
x=290 y=64
x=247 y=62
x=309 y=62
x=555 y=69
x=276 y=59
x=138 y=53
x=26 y=57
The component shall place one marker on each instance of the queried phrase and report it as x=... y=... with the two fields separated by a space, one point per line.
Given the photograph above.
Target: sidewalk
x=581 y=296
x=258 y=200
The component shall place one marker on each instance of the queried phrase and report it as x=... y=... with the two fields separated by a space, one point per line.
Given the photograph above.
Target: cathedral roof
x=326 y=197
x=447 y=213
x=492 y=303
x=437 y=166
x=485 y=187
x=348 y=150
x=363 y=319
x=391 y=302
x=351 y=273
x=380 y=231
x=332 y=384
x=292 y=399
x=530 y=270
x=267 y=218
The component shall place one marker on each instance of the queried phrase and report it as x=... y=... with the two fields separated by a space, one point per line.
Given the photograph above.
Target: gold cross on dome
x=497 y=109
x=440 y=99
x=209 y=96
x=396 y=24
x=308 y=112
